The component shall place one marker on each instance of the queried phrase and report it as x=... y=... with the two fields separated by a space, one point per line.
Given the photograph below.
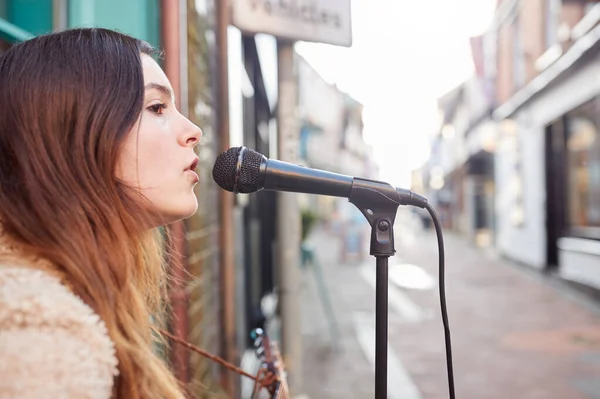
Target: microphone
x=242 y=170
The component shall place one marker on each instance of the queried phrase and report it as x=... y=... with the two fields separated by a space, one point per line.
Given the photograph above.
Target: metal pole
x=59 y=15
x=381 y=327
x=226 y=200
x=288 y=220
x=183 y=58
x=170 y=25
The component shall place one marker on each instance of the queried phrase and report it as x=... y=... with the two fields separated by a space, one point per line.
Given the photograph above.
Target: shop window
x=583 y=169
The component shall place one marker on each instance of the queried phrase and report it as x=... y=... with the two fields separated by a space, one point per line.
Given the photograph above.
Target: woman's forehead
x=153 y=72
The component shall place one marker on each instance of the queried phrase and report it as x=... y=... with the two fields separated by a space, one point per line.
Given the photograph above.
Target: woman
x=93 y=157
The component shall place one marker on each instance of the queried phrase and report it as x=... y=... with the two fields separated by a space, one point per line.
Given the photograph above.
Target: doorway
x=555 y=141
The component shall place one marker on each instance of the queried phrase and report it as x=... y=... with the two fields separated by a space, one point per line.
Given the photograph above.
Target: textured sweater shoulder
x=52 y=345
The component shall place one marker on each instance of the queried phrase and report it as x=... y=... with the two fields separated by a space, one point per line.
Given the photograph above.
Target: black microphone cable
x=413 y=199
x=444 y=310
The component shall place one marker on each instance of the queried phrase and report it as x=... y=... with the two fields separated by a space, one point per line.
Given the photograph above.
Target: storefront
x=573 y=192
x=548 y=175
x=479 y=194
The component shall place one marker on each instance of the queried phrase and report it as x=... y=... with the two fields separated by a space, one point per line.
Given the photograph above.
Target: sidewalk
x=513 y=334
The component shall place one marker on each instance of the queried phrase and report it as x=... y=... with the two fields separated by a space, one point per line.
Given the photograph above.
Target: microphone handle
x=284 y=176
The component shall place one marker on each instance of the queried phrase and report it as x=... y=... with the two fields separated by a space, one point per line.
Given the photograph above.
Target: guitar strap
x=263 y=380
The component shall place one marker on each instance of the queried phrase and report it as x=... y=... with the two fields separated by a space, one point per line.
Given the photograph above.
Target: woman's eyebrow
x=162 y=88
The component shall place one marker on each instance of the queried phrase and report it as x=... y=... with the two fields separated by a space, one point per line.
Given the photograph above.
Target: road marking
x=401 y=303
x=412 y=277
x=400 y=385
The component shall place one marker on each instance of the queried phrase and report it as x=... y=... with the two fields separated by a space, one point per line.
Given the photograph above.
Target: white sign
x=323 y=21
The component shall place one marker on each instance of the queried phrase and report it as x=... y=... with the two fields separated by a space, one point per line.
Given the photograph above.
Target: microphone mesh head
x=248 y=179
x=245 y=180
x=224 y=168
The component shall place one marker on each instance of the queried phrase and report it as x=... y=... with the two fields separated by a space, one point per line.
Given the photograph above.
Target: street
x=515 y=332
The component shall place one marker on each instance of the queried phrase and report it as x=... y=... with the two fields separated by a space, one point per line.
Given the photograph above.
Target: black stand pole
x=381 y=328
x=379 y=206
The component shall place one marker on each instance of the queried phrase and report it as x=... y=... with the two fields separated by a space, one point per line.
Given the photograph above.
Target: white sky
x=405 y=54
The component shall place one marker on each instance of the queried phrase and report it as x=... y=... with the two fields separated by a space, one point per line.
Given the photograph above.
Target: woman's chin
x=180 y=212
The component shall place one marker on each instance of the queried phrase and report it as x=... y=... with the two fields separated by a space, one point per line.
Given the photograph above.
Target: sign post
x=323 y=21
x=288 y=221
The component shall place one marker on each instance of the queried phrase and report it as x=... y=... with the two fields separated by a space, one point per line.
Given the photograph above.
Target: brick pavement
x=513 y=334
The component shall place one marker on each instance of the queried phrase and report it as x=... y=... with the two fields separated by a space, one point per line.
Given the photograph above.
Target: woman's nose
x=192 y=134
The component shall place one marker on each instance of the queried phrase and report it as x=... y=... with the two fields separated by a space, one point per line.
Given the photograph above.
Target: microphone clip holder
x=379 y=202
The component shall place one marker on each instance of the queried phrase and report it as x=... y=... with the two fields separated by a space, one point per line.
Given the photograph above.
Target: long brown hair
x=67 y=101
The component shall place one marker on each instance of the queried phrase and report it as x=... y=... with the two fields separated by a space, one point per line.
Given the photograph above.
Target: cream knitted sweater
x=52 y=345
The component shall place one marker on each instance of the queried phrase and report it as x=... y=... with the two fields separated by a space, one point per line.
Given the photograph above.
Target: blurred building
x=232 y=93
x=253 y=95
x=331 y=138
x=331 y=135
x=548 y=96
x=459 y=175
x=538 y=166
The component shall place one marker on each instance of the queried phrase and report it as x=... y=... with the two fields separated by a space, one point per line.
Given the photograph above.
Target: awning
x=480 y=164
x=12 y=33
x=573 y=55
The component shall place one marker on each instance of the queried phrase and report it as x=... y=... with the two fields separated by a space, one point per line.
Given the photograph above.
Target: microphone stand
x=379 y=204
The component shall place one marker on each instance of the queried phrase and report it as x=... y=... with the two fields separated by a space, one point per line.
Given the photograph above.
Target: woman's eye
x=157 y=108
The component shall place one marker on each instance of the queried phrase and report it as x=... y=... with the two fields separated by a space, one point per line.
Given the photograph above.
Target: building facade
x=459 y=176
x=331 y=138
x=540 y=60
x=549 y=153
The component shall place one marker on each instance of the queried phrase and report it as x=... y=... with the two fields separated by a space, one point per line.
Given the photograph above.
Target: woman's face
x=158 y=157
